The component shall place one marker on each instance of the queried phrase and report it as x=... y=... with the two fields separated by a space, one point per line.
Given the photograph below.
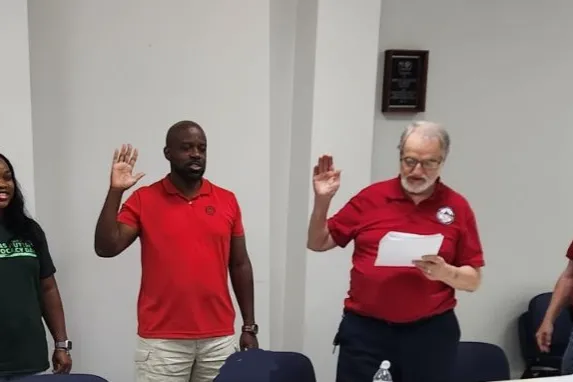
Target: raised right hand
x=326 y=179
x=544 y=335
x=122 y=176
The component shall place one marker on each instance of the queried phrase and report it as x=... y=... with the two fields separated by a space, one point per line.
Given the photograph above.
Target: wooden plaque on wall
x=405 y=79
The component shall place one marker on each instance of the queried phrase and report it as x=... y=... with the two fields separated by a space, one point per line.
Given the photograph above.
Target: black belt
x=408 y=324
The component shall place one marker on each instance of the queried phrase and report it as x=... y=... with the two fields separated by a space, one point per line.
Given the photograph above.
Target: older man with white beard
x=401 y=314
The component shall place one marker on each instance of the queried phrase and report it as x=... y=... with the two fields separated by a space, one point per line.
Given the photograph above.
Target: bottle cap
x=385 y=365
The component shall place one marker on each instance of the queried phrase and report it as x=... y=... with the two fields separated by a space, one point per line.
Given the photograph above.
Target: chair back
x=481 y=362
x=259 y=365
x=539 y=364
x=561 y=327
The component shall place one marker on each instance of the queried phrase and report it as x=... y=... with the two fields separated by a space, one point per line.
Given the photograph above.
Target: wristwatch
x=64 y=345
x=253 y=329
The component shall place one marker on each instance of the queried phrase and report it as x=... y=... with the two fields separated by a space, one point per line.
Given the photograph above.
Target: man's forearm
x=53 y=312
x=107 y=232
x=559 y=298
x=317 y=227
x=242 y=280
x=465 y=278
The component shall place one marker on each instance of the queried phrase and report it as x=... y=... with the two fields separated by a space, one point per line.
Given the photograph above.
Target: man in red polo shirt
x=400 y=314
x=191 y=236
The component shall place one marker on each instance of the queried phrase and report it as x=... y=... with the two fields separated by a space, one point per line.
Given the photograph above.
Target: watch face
x=64 y=345
x=251 y=329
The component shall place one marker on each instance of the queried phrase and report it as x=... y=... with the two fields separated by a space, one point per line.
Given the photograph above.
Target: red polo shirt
x=570 y=251
x=185 y=248
x=403 y=294
x=569 y=255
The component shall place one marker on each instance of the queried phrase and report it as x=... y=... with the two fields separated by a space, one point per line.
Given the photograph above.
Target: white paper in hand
x=399 y=249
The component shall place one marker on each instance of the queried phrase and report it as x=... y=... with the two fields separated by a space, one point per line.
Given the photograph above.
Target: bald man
x=401 y=314
x=192 y=237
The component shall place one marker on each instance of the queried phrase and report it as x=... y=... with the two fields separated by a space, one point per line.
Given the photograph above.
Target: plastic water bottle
x=383 y=374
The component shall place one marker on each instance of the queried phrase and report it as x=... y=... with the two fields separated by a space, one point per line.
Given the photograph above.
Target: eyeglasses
x=427 y=164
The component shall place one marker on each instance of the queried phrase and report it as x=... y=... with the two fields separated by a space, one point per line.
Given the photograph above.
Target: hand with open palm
x=122 y=177
x=326 y=179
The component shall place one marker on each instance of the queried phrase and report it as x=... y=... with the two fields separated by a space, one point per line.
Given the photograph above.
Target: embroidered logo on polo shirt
x=210 y=210
x=445 y=215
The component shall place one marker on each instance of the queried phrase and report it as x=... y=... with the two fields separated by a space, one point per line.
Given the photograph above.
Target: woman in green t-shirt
x=28 y=289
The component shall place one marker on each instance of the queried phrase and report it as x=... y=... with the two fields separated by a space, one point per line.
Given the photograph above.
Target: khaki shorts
x=181 y=360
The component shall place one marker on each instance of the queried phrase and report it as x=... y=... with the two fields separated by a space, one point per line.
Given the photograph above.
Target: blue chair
x=60 y=378
x=259 y=365
x=539 y=364
x=481 y=362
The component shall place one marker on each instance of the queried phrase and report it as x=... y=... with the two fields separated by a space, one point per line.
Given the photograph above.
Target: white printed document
x=399 y=249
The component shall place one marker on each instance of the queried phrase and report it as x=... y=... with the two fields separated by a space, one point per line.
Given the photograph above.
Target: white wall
x=276 y=83
x=499 y=80
x=283 y=27
x=15 y=104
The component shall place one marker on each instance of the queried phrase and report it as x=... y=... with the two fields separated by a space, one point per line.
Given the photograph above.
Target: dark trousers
x=423 y=351
x=10 y=378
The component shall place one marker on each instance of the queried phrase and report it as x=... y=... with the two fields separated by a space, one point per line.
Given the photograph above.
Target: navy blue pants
x=423 y=351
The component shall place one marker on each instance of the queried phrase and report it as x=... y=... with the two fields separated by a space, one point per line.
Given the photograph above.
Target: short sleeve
x=343 y=225
x=569 y=253
x=238 y=228
x=130 y=211
x=469 y=249
x=47 y=267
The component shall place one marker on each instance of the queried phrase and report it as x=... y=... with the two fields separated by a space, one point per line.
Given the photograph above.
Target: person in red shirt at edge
x=560 y=298
x=192 y=237
x=401 y=314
